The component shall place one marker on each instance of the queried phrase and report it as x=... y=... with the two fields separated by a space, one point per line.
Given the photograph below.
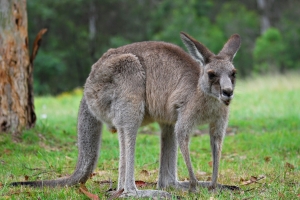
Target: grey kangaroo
x=143 y=82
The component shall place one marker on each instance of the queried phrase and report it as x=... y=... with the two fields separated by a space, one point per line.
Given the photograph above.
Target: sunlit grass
x=265 y=113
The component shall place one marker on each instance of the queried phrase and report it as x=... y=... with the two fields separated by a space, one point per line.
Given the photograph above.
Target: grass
x=265 y=116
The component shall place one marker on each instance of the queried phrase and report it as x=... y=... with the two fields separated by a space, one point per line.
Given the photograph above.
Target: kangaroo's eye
x=211 y=74
x=233 y=74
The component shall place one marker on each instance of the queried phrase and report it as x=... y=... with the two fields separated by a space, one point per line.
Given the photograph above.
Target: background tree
x=16 y=87
x=269 y=52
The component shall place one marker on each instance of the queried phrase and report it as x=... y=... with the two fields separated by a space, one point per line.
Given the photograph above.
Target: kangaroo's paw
x=157 y=194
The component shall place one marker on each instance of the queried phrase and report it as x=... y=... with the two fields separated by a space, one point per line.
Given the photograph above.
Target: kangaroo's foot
x=157 y=194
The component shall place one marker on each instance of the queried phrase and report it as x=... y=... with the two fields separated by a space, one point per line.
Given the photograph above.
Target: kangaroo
x=143 y=82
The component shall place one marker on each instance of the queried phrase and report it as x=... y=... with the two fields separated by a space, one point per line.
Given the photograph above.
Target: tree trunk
x=16 y=93
x=264 y=7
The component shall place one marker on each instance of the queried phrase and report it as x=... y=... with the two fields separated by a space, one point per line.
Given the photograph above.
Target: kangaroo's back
x=171 y=76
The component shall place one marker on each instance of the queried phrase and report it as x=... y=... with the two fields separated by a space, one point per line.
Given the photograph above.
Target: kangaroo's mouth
x=226 y=102
x=226 y=99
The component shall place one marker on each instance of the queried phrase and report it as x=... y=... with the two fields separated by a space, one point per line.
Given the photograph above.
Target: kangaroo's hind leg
x=127 y=109
x=127 y=123
x=122 y=159
x=168 y=157
x=168 y=161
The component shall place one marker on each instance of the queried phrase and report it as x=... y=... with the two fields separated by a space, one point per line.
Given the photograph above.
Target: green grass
x=265 y=115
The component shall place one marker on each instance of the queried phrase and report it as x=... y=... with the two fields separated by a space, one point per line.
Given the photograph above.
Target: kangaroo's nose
x=227 y=92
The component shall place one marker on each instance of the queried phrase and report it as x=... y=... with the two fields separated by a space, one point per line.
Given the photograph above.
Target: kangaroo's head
x=218 y=73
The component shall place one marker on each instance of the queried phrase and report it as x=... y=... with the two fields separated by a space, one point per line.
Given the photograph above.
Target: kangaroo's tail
x=89 y=141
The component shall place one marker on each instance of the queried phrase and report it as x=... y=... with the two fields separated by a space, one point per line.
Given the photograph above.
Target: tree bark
x=16 y=93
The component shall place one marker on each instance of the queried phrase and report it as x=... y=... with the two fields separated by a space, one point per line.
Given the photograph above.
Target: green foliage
x=181 y=16
x=49 y=70
x=118 y=41
x=265 y=143
x=269 y=51
x=290 y=31
x=234 y=17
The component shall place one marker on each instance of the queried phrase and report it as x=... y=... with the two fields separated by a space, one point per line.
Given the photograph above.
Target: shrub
x=269 y=52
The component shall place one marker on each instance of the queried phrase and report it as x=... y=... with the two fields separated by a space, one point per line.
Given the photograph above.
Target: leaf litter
x=252 y=179
x=85 y=191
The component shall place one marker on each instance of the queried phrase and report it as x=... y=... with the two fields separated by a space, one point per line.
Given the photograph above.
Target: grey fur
x=140 y=83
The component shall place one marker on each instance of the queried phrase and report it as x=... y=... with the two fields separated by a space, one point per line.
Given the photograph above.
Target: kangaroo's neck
x=208 y=108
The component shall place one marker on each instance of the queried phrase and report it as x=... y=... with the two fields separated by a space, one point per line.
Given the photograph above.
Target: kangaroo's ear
x=197 y=50
x=231 y=47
